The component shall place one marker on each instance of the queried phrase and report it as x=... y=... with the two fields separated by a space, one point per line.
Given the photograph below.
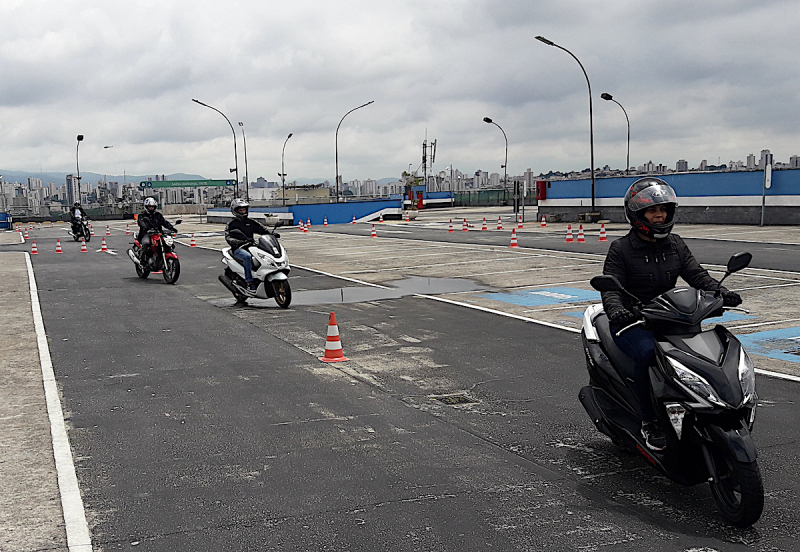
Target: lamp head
x=80 y=137
x=606 y=96
x=543 y=39
x=241 y=124
x=290 y=135
x=487 y=120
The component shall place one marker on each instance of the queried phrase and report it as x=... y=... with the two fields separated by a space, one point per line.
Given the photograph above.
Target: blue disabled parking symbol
x=781 y=344
x=545 y=296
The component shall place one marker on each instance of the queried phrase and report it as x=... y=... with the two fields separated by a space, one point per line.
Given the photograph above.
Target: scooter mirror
x=178 y=221
x=739 y=261
x=276 y=235
x=606 y=283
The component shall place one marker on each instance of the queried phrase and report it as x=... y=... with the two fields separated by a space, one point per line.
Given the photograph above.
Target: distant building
x=703 y=165
x=682 y=165
x=766 y=158
x=751 y=162
x=73 y=189
x=794 y=162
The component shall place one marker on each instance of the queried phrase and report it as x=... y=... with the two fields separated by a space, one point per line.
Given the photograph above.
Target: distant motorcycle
x=270 y=270
x=81 y=231
x=160 y=257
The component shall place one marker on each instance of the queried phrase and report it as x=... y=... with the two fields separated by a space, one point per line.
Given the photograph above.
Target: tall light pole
x=591 y=127
x=608 y=97
x=246 y=175
x=235 y=155
x=78 y=164
x=337 y=145
x=505 y=166
x=282 y=174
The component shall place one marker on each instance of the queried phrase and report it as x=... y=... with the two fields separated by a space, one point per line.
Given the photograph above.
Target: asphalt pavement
x=199 y=425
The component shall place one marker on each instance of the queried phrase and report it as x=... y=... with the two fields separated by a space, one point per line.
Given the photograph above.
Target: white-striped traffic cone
x=83 y=246
x=484 y=227
x=127 y=229
x=465 y=226
x=58 y=246
x=519 y=221
x=408 y=218
x=514 y=238
x=108 y=230
x=603 y=236
x=333 y=343
x=325 y=221
x=25 y=234
x=91 y=230
x=381 y=218
x=354 y=220
x=305 y=227
x=373 y=234
x=569 y=234
x=34 y=251
x=581 y=238
x=499 y=223
x=193 y=243
x=451 y=226
x=103 y=246
x=544 y=222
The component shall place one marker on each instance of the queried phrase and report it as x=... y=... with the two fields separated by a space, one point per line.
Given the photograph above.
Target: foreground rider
x=76 y=214
x=647 y=262
x=247 y=226
x=150 y=219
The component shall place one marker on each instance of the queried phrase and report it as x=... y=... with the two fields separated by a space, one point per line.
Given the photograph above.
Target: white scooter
x=270 y=270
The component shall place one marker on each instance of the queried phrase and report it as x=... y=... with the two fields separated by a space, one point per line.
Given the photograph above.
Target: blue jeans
x=247 y=261
x=640 y=345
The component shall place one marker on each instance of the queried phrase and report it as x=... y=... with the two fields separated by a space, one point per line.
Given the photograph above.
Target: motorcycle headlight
x=747 y=376
x=695 y=383
x=168 y=240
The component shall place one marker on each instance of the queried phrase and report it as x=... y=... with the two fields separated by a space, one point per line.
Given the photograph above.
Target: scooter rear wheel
x=738 y=490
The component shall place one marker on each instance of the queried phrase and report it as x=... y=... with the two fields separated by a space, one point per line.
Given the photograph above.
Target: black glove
x=621 y=317
x=731 y=298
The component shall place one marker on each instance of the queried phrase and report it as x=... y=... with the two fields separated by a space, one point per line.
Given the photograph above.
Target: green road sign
x=185 y=183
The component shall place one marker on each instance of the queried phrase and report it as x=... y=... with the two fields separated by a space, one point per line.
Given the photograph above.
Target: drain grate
x=454 y=398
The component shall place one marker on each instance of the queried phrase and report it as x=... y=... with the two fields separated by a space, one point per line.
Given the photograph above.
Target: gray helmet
x=649 y=192
x=237 y=204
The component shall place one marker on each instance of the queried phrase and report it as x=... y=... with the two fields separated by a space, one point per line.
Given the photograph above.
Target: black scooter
x=703 y=391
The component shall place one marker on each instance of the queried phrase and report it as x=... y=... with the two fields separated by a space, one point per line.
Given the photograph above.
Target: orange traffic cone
x=354 y=220
x=103 y=246
x=83 y=246
x=34 y=251
x=127 y=229
x=25 y=234
x=603 y=236
x=408 y=218
x=484 y=227
x=519 y=221
x=499 y=223
x=300 y=224
x=374 y=234
x=58 y=246
x=91 y=230
x=305 y=227
x=381 y=218
x=465 y=226
x=514 y=238
x=308 y=223
x=581 y=238
x=449 y=229
x=193 y=244
x=333 y=344
x=544 y=222
x=569 y=234
x=325 y=221
x=108 y=230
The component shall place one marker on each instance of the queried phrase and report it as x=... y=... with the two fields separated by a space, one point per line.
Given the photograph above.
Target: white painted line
x=767 y=287
x=572 y=306
x=78 y=536
x=777 y=375
x=340 y=277
x=764 y=323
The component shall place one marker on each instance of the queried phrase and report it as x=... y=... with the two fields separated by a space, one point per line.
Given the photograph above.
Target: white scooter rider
x=248 y=227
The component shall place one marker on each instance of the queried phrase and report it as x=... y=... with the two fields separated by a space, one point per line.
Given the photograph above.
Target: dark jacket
x=648 y=269
x=152 y=221
x=247 y=226
x=72 y=212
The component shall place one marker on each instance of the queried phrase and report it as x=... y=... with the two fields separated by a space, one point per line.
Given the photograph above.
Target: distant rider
x=150 y=219
x=76 y=214
x=247 y=226
x=647 y=262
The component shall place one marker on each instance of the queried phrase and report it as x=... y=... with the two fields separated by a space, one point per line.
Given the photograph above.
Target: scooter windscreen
x=269 y=243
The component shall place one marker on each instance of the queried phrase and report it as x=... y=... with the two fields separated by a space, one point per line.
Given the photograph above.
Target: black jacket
x=648 y=269
x=152 y=221
x=72 y=212
x=247 y=226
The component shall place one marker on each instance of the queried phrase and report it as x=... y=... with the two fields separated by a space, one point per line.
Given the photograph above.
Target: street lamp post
x=78 y=164
x=282 y=174
x=591 y=127
x=608 y=97
x=505 y=166
x=246 y=175
x=337 y=145
x=235 y=155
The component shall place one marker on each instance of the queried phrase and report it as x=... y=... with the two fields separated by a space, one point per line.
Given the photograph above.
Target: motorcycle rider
x=647 y=262
x=247 y=226
x=76 y=214
x=150 y=219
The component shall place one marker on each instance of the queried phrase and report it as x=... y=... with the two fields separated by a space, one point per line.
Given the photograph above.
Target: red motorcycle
x=160 y=257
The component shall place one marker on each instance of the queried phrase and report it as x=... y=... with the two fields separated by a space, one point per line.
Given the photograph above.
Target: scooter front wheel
x=283 y=293
x=172 y=271
x=738 y=489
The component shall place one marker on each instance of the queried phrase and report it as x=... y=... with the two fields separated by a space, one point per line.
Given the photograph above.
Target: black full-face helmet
x=649 y=192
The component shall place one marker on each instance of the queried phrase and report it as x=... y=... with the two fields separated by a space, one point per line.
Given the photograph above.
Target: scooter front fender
x=277 y=276
x=738 y=441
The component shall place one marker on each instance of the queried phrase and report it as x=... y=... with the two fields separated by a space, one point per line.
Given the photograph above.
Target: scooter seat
x=622 y=362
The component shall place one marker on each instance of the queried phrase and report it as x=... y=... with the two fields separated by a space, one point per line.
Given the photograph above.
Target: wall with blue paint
x=5 y=220
x=337 y=213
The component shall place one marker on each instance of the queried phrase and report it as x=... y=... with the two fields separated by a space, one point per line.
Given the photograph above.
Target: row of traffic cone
x=582 y=238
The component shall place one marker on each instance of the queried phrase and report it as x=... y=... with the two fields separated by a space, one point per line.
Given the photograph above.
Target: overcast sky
x=711 y=80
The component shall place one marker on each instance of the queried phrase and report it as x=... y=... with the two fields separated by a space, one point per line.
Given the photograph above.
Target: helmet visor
x=658 y=194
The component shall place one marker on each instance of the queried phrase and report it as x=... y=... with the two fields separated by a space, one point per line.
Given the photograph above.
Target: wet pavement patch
x=781 y=344
x=454 y=399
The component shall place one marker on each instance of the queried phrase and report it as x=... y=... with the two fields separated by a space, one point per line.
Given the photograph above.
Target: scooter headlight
x=695 y=384
x=747 y=376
